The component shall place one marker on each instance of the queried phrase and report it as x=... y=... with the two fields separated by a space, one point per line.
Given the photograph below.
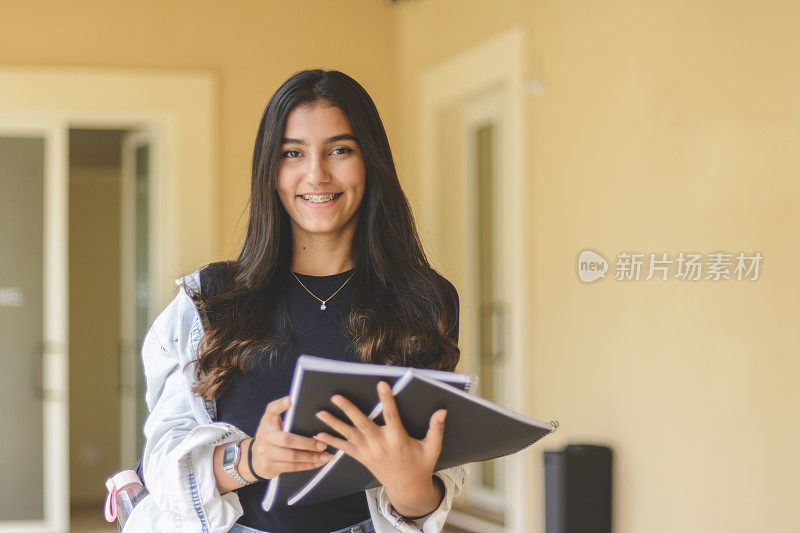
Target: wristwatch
x=230 y=460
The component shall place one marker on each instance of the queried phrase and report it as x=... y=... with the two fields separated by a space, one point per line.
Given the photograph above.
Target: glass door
x=475 y=170
x=33 y=327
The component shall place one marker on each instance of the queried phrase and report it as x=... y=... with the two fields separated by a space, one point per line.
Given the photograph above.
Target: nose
x=317 y=169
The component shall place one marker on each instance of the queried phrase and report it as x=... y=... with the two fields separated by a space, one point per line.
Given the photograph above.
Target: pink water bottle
x=125 y=490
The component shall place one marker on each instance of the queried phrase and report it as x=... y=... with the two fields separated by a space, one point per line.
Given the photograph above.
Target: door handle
x=498 y=332
x=35 y=360
x=36 y=367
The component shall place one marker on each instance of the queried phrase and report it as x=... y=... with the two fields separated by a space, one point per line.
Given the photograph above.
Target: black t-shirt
x=316 y=332
x=319 y=333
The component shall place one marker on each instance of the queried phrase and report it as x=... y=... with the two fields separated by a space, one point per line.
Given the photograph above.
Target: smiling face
x=321 y=175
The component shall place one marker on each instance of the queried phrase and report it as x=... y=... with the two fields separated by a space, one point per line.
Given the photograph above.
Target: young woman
x=331 y=266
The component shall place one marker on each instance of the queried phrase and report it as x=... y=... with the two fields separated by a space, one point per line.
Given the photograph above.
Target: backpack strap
x=210 y=279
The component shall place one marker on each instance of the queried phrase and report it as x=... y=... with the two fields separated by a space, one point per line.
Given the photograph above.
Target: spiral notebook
x=315 y=380
x=475 y=430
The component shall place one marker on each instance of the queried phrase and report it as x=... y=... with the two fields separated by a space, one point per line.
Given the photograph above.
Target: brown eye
x=346 y=149
x=288 y=154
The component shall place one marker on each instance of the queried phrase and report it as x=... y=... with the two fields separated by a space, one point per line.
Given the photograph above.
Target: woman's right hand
x=276 y=451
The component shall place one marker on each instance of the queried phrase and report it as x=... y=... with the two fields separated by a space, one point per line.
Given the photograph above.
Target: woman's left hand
x=402 y=464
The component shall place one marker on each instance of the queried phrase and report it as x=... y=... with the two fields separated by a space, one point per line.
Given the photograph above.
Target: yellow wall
x=662 y=127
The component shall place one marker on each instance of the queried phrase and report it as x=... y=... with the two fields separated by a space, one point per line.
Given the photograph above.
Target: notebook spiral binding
x=553 y=427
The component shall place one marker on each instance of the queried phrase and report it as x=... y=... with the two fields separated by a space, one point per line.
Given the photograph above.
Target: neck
x=321 y=255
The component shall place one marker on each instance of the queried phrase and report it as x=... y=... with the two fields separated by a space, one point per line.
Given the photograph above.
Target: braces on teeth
x=319 y=199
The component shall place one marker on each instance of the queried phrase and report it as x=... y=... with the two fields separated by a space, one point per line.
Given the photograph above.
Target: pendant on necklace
x=322 y=307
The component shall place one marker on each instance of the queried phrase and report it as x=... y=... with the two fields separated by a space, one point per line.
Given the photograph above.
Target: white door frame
x=181 y=112
x=496 y=64
x=55 y=330
x=486 y=109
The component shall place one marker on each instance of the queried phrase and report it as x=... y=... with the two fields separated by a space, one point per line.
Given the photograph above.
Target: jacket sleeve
x=178 y=453
x=386 y=519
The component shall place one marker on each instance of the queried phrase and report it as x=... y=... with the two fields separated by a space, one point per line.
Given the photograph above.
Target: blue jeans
x=362 y=527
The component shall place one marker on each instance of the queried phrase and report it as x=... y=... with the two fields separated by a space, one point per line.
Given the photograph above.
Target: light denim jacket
x=181 y=437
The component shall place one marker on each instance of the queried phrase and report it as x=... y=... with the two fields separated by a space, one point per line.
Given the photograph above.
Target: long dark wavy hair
x=402 y=311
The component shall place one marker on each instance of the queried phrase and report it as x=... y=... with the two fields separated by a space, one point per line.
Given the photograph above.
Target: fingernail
x=320 y=445
x=383 y=386
x=336 y=398
x=325 y=456
x=443 y=416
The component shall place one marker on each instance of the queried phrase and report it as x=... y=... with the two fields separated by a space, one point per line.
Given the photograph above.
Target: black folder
x=315 y=380
x=475 y=429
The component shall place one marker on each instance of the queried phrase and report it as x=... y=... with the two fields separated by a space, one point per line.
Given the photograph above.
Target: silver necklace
x=321 y=307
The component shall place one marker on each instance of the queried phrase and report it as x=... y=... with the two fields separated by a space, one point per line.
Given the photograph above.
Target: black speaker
x=578 y=489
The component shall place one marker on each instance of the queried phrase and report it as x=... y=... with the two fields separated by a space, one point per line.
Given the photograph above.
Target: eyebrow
x=340 y=137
